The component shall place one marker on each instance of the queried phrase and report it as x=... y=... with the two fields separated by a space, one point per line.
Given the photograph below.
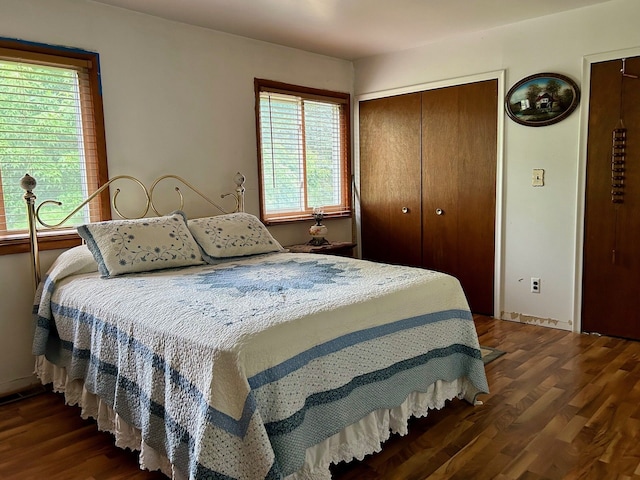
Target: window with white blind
x=303 y=143
x=51 y=127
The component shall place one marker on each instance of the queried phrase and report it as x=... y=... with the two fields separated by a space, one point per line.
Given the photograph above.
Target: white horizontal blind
x=46 y=130
x=323 y=147
x=282 y=137
x=301 y=145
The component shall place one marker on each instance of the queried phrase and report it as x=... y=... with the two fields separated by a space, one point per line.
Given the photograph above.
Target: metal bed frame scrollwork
x=28 y=183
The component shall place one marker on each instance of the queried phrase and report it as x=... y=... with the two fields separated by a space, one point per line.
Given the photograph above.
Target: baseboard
x=530 y=319
x=19 y=389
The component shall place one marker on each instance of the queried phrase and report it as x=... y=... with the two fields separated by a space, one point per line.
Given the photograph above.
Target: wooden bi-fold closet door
x=427 y=183
x=611 y=255
x=390 y=178
x=459 y=158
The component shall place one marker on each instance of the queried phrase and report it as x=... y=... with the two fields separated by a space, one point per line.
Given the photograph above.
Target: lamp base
x=317 y=232
x=317 y=241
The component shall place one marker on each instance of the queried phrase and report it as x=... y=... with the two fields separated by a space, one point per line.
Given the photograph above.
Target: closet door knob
x=405 y=209
x=439 y=211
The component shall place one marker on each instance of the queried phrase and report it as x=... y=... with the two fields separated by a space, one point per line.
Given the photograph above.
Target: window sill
x=307 y=217
x=19 y=243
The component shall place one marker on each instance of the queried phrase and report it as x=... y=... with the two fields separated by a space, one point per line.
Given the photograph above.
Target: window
x=303 y=144
x=51 y=127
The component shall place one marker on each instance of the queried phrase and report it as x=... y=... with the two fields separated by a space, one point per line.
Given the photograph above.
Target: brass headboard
x=28 y=183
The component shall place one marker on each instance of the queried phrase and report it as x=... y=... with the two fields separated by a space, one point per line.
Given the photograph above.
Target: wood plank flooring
x=562 y=406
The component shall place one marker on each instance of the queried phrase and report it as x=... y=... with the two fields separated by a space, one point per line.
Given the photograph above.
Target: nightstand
x=343 y=249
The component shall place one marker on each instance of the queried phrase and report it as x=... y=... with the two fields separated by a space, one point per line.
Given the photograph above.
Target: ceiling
x=350 y=29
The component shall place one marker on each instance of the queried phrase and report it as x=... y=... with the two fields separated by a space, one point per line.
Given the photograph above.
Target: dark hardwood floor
x=562 y=406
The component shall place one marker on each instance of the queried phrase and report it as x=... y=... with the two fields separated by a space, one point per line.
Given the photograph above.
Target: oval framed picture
x=542 y=99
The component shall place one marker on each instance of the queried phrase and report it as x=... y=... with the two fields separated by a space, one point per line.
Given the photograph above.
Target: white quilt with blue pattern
x=233 y=370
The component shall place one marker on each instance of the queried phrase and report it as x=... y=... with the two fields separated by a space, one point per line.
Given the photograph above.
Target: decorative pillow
x=141 y=245
x=232 y=235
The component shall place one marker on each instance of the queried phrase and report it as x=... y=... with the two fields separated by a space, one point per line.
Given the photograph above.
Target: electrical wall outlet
x=535 y=285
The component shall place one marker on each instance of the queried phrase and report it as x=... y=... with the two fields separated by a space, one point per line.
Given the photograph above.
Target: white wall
x=177 y=99
x=539 y=224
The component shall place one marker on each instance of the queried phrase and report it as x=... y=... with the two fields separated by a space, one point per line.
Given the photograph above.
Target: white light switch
x=537 y=179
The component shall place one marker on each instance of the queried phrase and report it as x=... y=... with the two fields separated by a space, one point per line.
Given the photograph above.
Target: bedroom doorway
x=611 y=254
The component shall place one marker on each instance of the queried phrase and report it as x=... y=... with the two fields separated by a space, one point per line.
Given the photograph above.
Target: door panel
x=390 y=179
x=611 y=256
x=459 y=151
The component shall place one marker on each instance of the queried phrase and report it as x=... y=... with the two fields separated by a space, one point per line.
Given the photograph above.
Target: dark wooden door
x=611 y=256
x=459 y=151
x=390 y=179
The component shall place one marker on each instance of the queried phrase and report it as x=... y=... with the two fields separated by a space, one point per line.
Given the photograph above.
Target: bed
x=217 y=354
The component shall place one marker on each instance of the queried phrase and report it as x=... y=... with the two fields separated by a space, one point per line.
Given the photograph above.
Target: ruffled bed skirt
x=354 y=442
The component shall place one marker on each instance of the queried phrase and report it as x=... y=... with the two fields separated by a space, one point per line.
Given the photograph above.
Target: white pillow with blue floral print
x=141 y=245
x=232 y=235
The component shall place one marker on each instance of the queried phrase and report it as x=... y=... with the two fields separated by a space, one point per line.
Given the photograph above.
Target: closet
x=428 y=183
